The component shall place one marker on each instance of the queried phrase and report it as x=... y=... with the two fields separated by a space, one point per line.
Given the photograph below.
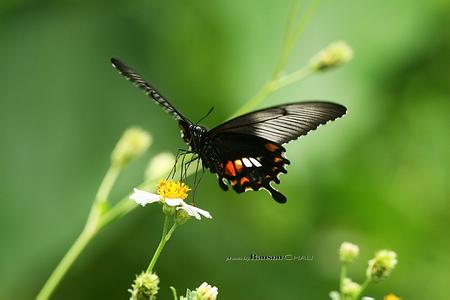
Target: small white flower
x=206 y=292
x=143 y=198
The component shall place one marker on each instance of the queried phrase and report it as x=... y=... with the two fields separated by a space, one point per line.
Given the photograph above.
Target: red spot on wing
x=272 y=147
x=229 y=169
x=244 y=180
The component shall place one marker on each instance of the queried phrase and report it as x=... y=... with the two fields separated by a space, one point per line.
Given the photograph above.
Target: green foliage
x=378 y=177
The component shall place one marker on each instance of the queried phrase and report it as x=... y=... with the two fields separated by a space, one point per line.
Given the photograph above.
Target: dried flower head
x=381 y=266
x=144 y=287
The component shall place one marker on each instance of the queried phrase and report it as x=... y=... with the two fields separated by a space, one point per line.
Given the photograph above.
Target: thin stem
x=292 y=78
x=265 y=91
x=305 y=19
x=343 y=275
x=174 y=293
x=364 y=285
x=287 y=40
x=344 y=268
x=91 y=228
x=272 y=86
x=107 y=184
x=164 y=238
x=291 y=36
x=83 y=239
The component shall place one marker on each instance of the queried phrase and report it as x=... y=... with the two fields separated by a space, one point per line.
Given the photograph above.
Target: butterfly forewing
x=283 y=123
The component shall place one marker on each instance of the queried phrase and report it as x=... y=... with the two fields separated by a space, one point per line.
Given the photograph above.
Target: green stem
x=166 y=234
x=343 y=276
x=292 y=78
x=305 y=19
x=287 y=40
x=91 y=228
x=272 y=86
x=363 y=287
x=174 y=293
x=68 y=259
x=107 y=183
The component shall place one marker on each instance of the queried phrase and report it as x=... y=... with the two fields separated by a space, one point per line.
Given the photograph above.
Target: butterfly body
x=246 y=152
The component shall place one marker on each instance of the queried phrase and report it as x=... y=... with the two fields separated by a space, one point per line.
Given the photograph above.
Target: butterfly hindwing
x=246 y=162
x=247 y=151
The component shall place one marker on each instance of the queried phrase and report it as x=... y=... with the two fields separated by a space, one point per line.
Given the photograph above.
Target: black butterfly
x=246 y=151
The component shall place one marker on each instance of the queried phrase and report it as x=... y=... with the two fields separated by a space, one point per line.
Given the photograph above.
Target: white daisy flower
x=173 y=194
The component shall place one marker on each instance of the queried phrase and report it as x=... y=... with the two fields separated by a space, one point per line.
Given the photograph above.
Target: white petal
x=174 y=202
x=143 y=198
x=195 y=211
x=190 y=212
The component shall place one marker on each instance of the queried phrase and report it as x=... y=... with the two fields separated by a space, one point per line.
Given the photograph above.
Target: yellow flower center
x=172 y=189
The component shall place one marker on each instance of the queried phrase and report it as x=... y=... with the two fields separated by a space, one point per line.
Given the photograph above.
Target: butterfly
x=245 y=151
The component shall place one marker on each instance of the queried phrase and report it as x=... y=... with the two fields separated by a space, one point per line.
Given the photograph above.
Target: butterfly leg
x=180 y=152
x=197 y=180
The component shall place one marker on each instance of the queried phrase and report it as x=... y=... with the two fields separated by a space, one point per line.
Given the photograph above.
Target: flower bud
x=133 y=143
x=144 y=287
x=381 y=265
x=348 y=252
x=334 y=295
x=350 y=288
x=182 y=216
x=336 y=54
x=169 y=210
x=160 y=165
x=206 y=292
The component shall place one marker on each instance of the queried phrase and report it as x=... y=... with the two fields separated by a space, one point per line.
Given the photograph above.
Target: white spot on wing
x=246 y=162
x=255 y=162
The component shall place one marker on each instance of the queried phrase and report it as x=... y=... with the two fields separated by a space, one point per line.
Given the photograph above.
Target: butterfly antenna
x=149 y=90
x=205 y=116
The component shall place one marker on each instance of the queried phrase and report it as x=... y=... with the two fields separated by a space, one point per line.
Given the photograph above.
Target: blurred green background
x=378 y=177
